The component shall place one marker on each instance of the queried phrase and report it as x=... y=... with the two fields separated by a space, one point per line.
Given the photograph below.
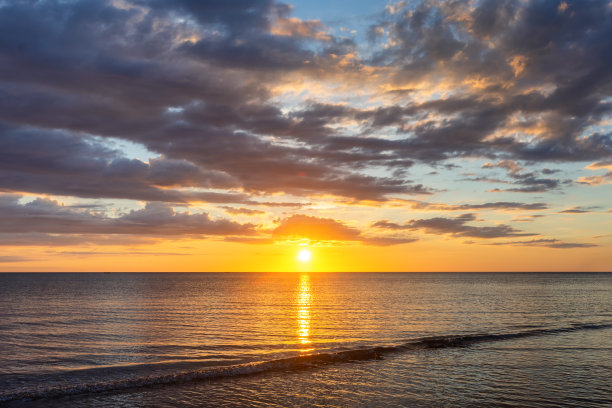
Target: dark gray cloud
x=155 y=219
x=529 y=181
x=538 y=65
x=90 y=68
x=54 y=162
x=40 y=161
x=192 y=82
x=455 y=226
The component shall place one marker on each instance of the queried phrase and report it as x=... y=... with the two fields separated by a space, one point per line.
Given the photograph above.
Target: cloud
x=294 y=27
x=155 y=219
x=250 y=240
x=62 y=239
x=578 y=210
x=67 y=164
x=547 y=243
x=138 y=60
x=530 y=181
x=117 y=253
x=300 y=226
x=528 y=218
x=126 y=86
x=454 y=226
x=14 y=259
x=219 y=95
x=44 y=222
x=511 y=166
x=496 y=206
x=242 y=211
x=387 y=241
x=532 y=80
x=54 y=162
x=598 y=180
x=315 y=228
x=457 y=227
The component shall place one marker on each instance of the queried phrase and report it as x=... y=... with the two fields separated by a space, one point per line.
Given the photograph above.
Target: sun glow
x=304 y=255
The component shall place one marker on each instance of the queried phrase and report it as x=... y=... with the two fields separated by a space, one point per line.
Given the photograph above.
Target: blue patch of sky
x=604 y=126
x=337 y=12
x=347 y=18
x=126 y=148
x=175 y=109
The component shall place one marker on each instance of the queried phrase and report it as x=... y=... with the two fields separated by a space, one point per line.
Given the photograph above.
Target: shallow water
x=306 y=339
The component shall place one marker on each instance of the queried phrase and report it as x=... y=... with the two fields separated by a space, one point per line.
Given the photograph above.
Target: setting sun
x=304 y=255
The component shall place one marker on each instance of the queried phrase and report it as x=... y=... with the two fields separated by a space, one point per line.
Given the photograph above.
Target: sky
x=187 y=135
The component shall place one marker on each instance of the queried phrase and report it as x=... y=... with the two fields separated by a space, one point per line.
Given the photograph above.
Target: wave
x=290 y=363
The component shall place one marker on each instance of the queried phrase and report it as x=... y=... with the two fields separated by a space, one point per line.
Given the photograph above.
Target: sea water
x=306 y=339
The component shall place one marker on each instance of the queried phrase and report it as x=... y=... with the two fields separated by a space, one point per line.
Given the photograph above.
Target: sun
x=304 y=255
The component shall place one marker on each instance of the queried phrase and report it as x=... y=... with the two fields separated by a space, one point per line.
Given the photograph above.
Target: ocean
x=306 y=339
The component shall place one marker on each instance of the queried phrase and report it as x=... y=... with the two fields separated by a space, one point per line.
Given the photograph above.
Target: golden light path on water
x=303 y=311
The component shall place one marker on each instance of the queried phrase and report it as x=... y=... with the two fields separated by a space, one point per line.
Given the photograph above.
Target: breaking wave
x=285 y=364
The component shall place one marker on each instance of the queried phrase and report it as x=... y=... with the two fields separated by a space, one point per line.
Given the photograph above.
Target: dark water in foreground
x=306 y=340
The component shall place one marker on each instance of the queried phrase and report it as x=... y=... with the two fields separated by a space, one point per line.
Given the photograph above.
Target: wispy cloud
x=14 y=259
x=242 y=211
x=496 y=206
x=579 y=210
x=456 y=226
x=547 y=243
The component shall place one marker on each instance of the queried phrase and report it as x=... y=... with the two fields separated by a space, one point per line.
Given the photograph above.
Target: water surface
x=306 y=339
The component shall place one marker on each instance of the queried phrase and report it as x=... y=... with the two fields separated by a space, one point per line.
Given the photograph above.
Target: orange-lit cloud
x=294 y=27
x=597 y=180
x=327 y=229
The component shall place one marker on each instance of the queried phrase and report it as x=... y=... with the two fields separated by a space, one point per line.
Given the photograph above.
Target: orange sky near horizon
x=232 y=257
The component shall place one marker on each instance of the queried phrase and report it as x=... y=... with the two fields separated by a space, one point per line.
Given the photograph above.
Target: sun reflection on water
x=303 y=311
